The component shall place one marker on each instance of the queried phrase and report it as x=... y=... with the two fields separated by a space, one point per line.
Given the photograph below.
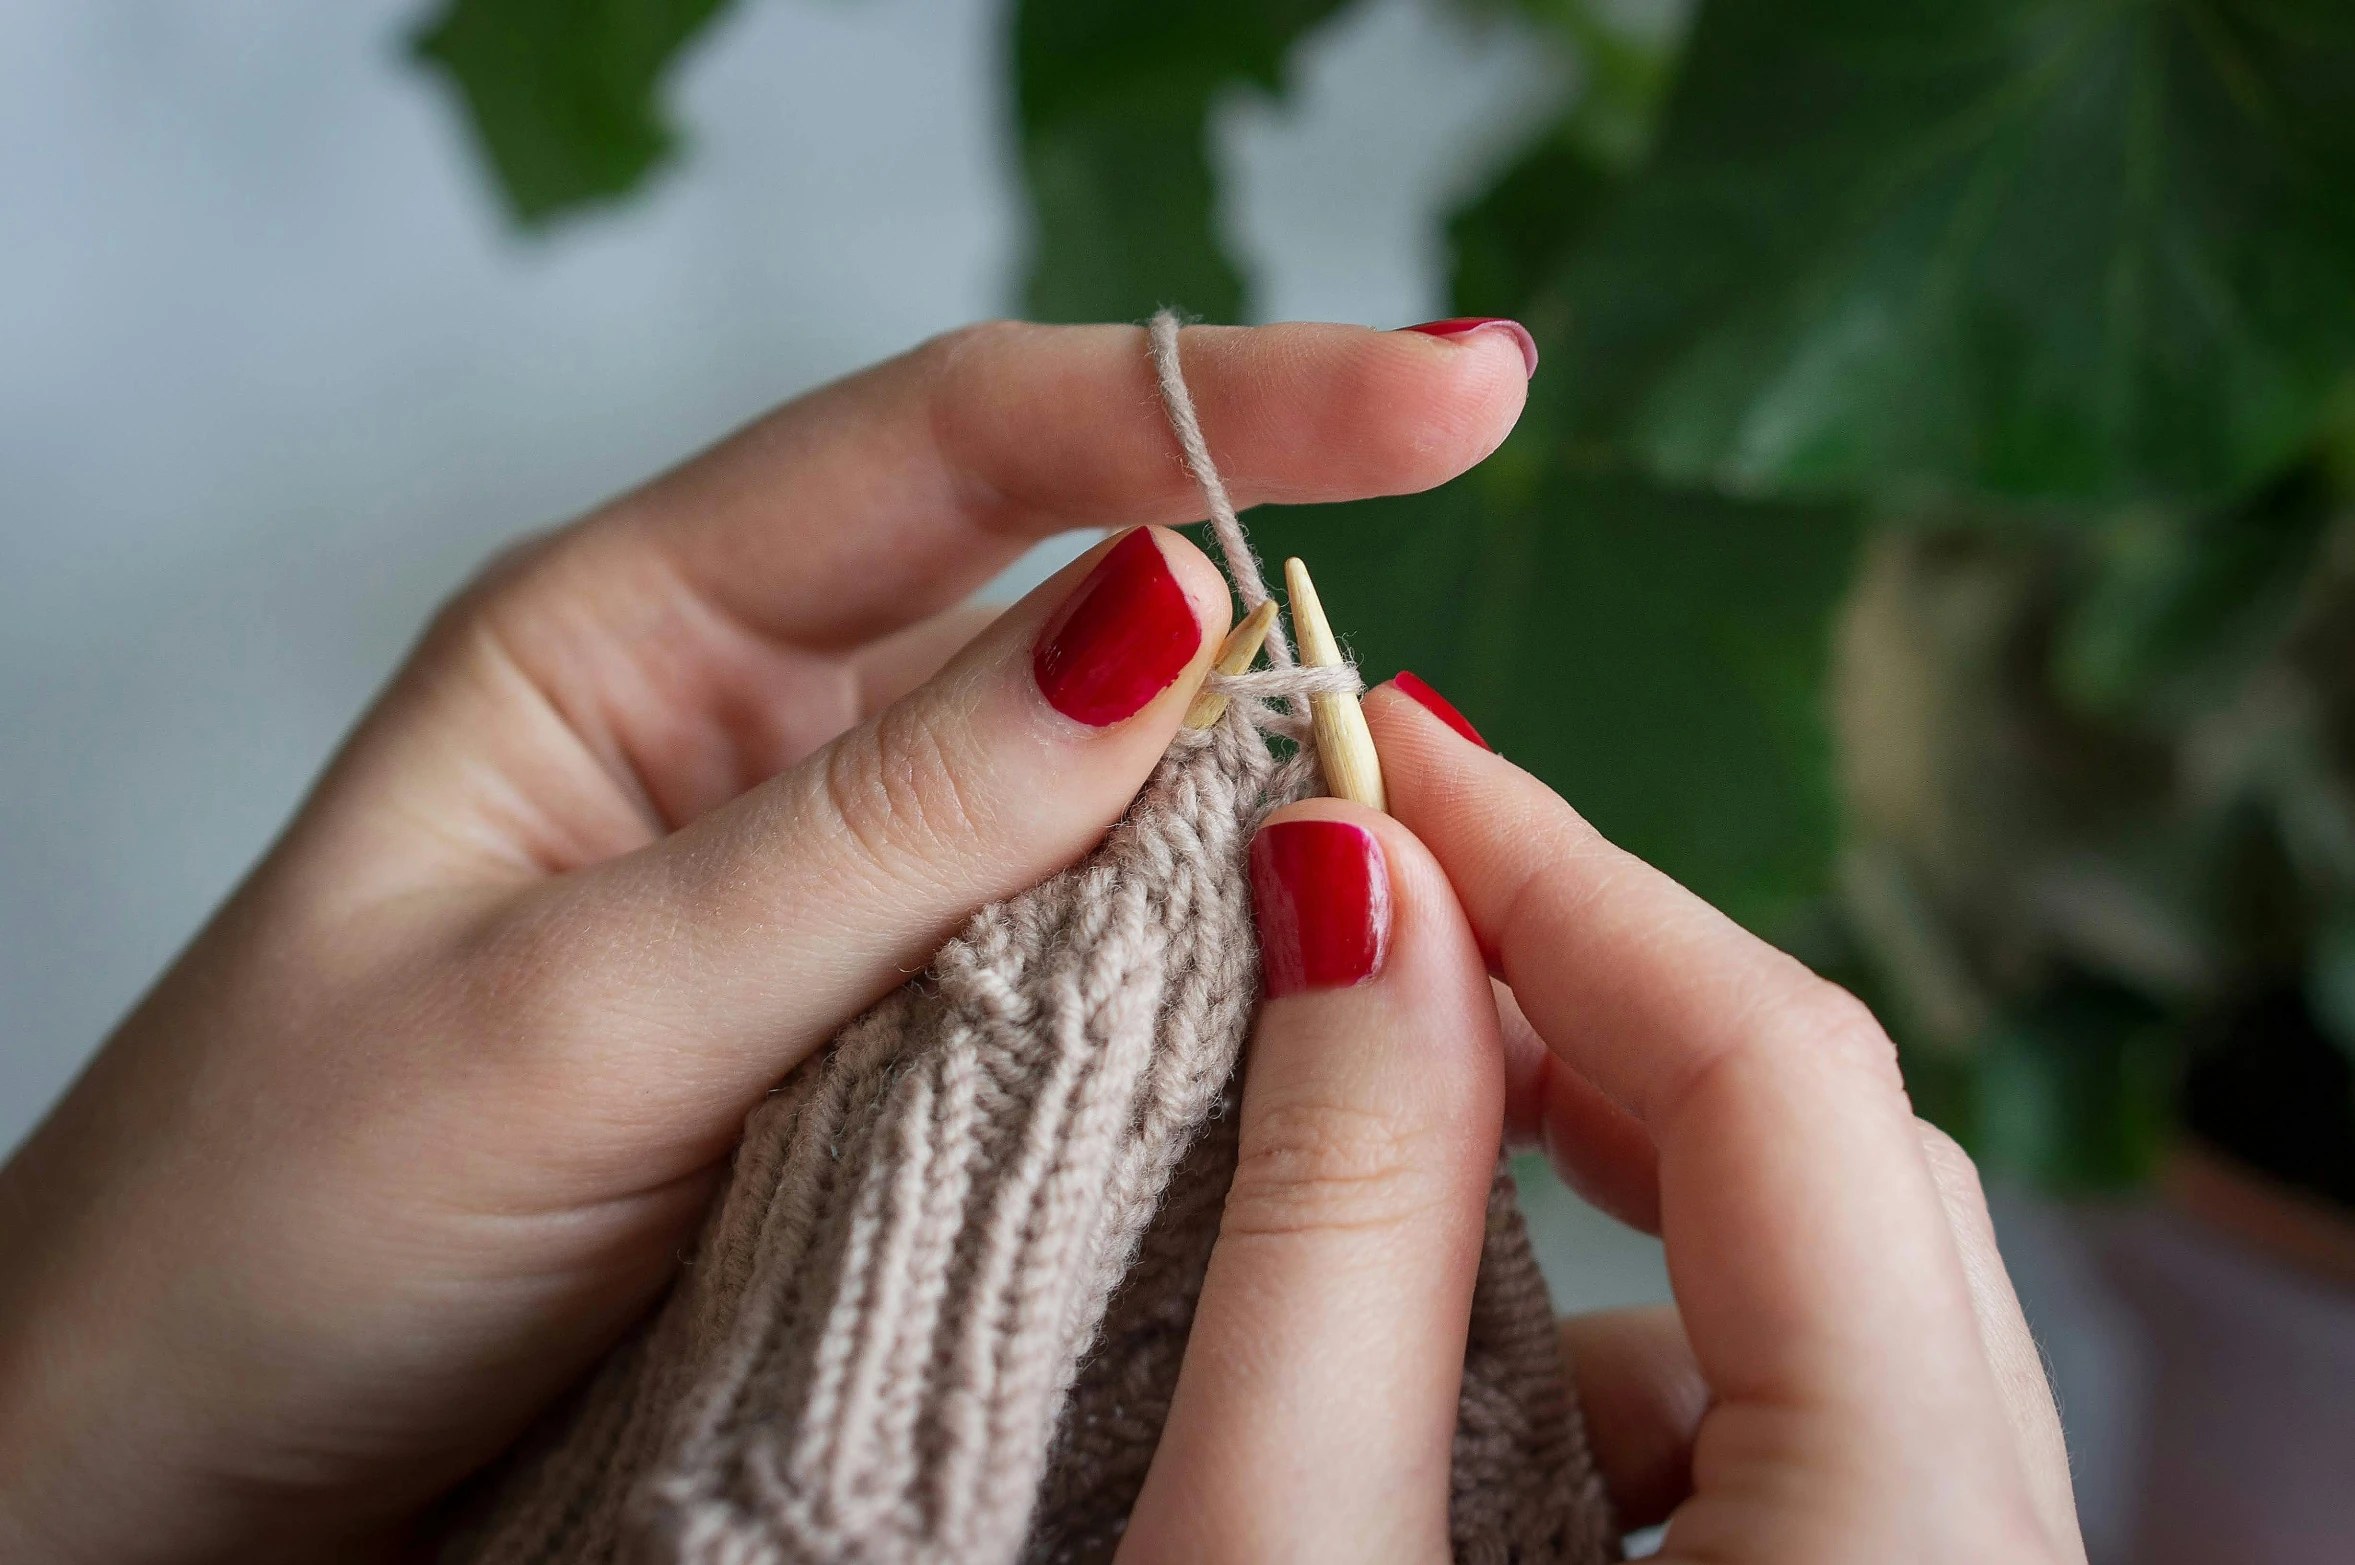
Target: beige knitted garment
x=939 y=1311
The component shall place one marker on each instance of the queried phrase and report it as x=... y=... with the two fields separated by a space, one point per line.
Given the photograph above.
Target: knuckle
x=969 y=422
x=488 y=605
x=950 y=347
x=896 y=788
x=1844 y=1028
x=1318 y=1167
x=954 y=365
x=1802 y=1017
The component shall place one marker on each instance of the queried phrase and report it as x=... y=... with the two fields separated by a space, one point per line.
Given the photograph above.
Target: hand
x=1850 y=1380
x=419 y=1124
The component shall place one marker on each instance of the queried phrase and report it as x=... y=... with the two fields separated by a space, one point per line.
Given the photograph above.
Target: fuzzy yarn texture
x=938 y=1313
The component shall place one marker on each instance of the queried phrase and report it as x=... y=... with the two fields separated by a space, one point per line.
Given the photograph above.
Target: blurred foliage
x=2017 y=247
x=561 y=93
x=1588 y=620
x=1930 y=536
x=1113 y=104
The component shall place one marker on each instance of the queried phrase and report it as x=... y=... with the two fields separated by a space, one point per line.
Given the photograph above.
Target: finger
x=631 y=673
x=2003 y=1331
x=1315 y=1412
x=892 y=494
x=1526 y=1062
x=1641 y=1394
x=1600 y=1150
x=1811 y=1257
x=689 y=976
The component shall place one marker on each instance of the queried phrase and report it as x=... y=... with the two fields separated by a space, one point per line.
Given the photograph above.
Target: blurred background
x=1928 y=538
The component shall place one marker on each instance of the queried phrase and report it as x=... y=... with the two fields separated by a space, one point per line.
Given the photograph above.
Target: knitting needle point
x=1234 y=657
x=1345 y=746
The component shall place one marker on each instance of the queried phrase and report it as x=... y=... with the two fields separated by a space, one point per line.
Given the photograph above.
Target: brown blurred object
x=2243 y=1301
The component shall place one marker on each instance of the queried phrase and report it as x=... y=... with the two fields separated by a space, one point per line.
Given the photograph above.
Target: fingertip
x=1321 y=895
x=1480 y=329
x=1204 y=583
x=1357 y=923
x=1416 y=411
x=1418 y=886
x=1402 y=727
x=1476 y=386
x=1132 y=634
x=1419 y=691
x=1642 y=1394
x=1302 y=860
x=1601 y=1151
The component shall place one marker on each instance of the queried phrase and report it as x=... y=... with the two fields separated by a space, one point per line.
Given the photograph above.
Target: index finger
x=873 y=502
x=1805 y=1239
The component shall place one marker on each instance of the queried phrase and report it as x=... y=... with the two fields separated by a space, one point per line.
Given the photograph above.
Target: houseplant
x=1937 y=503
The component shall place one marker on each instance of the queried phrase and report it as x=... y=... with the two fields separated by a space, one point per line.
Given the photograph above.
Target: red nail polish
x=1322 y=894
x=1123 y=637
x=1438 y=706
x=1465 y=325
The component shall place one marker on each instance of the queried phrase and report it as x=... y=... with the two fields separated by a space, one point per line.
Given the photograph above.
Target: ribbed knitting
x=939 y=1311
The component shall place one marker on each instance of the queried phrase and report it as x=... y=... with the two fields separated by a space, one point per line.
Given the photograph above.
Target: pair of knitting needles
x=1345 y=745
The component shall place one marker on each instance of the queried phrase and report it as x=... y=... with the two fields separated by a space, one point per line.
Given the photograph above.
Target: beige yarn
x=939 y=1312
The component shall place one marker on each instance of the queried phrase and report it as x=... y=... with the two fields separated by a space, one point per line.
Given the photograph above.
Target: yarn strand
x=1243 y=567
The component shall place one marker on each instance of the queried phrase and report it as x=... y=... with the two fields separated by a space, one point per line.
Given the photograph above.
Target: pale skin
x=421 y=1121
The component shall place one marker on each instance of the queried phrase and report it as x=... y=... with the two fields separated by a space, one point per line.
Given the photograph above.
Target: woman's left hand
x=419 y=1123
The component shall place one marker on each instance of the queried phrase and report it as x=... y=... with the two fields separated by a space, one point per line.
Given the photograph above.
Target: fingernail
x=1322 y=895
x=1122 y=639
x=1437 y=705
x=1465 y=325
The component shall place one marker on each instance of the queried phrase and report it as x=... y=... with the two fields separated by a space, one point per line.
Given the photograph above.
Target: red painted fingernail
x=1322 y=895
x=1438 y=706
x=1123 y=637
x=1465 y=325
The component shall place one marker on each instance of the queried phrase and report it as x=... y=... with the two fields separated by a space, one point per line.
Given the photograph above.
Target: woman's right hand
x=1846 y=1376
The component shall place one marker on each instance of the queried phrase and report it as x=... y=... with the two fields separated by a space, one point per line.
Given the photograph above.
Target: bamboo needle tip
x=1345 y=745
x=1244 y=641
x=1235 y=655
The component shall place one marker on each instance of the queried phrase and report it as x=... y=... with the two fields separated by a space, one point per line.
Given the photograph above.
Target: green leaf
x=1656 y=656
x=1626 y=56
x=2330 y=980
x=1114 y=105
x=561 y=93
x=2183 y=602
x=2042 y=248
x=1124 y=204
x=2074 y=1091
x=1510 y=241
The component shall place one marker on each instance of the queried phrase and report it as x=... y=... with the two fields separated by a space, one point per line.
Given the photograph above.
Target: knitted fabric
x=939 y=1311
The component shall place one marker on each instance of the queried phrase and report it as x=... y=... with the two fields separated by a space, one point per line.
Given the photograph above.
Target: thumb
x=686 y=978
x=1315 y=1413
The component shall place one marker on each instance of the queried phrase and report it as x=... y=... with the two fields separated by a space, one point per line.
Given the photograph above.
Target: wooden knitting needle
x=1234 y=657
x=1345 y=745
